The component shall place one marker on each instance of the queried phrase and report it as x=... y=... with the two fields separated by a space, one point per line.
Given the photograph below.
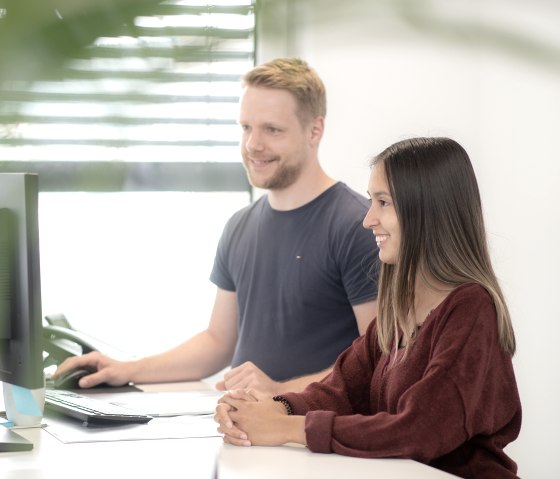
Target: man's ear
x=317 y=129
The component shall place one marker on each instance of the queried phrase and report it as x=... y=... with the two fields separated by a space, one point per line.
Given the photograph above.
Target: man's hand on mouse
x=105 y=370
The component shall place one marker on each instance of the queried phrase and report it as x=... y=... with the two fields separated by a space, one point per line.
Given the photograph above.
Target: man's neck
x=305 y=189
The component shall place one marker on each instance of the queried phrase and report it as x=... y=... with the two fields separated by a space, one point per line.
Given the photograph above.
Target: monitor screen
x=21 y=356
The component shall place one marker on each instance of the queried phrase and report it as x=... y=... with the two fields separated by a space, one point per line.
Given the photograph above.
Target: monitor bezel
x=21 y=358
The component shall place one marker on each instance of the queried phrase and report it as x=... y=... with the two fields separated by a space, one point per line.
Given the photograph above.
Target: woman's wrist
x=293 y=426
x=287 y=406
x=295 y=430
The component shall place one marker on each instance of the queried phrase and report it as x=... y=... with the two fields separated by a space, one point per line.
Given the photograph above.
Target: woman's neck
x=429 y=293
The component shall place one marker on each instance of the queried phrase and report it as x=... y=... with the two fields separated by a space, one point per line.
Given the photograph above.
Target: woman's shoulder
x=469 y=292
x=465 y=306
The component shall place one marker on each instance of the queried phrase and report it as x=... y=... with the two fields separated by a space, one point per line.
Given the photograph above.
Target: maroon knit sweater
x=453 y=403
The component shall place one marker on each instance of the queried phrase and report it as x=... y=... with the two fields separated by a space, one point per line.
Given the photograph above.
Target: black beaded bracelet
x=286 y=404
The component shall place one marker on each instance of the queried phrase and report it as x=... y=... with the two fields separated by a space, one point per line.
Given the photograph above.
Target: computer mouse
x=70 y=379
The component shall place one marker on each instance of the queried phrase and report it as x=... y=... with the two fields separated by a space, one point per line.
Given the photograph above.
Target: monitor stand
x=24 y=407
x=10 y=441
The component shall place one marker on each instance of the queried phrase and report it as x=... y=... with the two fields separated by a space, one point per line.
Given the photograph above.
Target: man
x=291 y=270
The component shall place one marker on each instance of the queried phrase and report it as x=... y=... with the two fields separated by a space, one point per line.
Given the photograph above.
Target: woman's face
x=381 y=217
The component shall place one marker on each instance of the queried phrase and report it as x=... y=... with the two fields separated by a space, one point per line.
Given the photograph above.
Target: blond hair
x=296 y=77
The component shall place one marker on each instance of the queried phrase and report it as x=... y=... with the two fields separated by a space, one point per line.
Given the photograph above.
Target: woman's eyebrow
x=377 y=194
x=380 y=193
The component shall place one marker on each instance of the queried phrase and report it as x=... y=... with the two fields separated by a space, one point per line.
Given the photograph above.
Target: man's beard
x=283 y=177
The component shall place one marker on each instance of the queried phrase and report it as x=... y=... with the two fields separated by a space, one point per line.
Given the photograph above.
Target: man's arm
x=248 y=375
x=200 y=356
x=365 y=313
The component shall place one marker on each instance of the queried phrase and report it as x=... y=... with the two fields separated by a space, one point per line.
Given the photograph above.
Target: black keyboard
x=91 y=411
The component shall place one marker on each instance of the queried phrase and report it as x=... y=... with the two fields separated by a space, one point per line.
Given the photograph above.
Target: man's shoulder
x=347 y=197
x=244 y=217
x=255 y=207
x=342 y=206
x=339 y=218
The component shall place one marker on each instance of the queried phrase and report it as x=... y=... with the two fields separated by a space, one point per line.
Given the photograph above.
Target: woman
x=432 y=378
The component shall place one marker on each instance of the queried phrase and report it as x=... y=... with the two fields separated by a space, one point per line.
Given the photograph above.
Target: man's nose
x=253 y=142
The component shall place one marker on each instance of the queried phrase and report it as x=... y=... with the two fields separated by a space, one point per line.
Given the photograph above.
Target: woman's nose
x=370 y=220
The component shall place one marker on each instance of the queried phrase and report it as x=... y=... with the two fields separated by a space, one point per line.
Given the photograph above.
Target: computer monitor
x=21 y=352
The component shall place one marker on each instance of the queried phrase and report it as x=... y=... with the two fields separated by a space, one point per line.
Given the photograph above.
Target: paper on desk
x=68 y=431
x=165 y=404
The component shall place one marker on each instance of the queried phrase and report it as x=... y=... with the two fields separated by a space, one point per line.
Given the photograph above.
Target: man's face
x=275 y=146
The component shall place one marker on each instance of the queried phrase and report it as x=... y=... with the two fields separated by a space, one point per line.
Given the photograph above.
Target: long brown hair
x=437 y=201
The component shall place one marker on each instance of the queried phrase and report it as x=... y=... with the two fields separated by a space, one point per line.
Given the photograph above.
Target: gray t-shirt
x=297 y=274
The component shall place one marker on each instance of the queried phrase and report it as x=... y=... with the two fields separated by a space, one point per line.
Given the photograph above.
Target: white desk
x=200 y=458
x=158 y=459
x=295 y=462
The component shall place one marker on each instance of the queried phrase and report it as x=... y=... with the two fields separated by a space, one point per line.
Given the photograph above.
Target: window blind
x=136 y=96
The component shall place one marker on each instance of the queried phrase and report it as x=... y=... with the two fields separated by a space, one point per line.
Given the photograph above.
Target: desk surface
x=295 y=462
x=198 y=458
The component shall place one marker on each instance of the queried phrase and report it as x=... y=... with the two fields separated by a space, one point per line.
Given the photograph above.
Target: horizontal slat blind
x=163 y=88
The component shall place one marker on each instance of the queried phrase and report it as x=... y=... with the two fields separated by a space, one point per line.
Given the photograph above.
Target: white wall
x=486 y=73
